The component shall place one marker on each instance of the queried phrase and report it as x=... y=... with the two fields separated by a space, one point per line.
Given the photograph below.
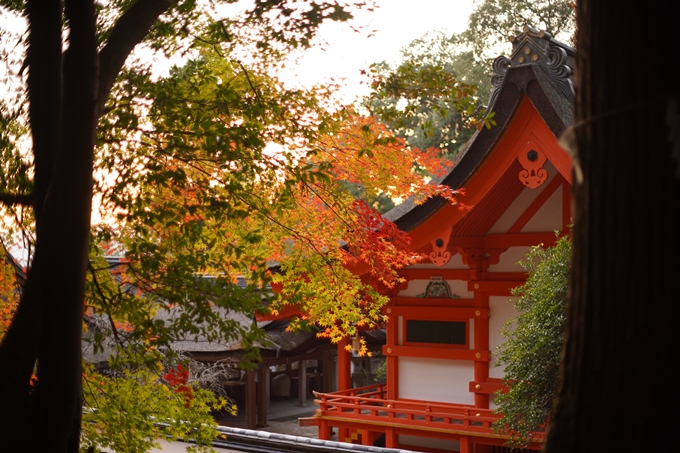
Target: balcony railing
x=370 y=405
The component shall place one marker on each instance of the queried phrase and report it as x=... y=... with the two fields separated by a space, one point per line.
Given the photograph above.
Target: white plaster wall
x=417 y=288
x=492 y=405
x=447 y=381
x=521 y=203
x=509 y=259
x=549 y=216
x=440 y=444
x=501 y=311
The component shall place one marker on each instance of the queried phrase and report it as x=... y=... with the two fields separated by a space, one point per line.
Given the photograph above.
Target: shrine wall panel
x=549 y=216
x=501 y=311
x=436 y=380
x=521 y=203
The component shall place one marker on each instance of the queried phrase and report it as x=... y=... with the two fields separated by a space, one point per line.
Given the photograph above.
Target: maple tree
x=191 y=213
x=185 y=168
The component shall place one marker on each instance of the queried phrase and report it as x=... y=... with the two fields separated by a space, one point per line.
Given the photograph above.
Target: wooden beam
x=436 y=353
x=494 y=288
x=437 y=312
x=488 y=387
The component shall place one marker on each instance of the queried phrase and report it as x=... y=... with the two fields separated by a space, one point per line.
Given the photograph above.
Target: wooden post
x=251 y=406
x=328 y=370
x=344 y=379
x=392 y=364
x=344 y=369
x=324 y=430
x=391 y=438
x=465 y=445
x=302 y=383
x=367 y=437
x=481 y=368
x=262 y=395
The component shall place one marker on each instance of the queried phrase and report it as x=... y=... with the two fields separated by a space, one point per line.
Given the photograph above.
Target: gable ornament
x=439 y=254
x=533 y=174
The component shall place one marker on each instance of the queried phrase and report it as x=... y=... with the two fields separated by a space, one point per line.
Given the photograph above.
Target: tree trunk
x=66 y=97
x=615 y=391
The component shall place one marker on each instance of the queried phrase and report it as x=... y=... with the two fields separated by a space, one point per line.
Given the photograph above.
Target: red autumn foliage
x=177 y=378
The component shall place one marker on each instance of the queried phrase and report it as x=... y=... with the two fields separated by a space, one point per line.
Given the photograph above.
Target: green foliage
x=423 y=99
x=197 y=194
x=381 y=372
x=493 y=21
x=531 y=352
x=130 y=411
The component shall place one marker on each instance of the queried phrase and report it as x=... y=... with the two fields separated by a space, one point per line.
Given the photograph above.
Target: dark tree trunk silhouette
x=66 y=93
x=616 y=388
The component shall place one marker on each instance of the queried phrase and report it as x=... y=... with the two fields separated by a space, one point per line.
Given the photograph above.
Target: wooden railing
x=369 y=404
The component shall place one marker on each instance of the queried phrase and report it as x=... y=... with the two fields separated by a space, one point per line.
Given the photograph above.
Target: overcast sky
x=393 y=25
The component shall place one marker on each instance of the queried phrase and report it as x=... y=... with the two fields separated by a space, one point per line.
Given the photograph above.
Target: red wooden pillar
x=367 y=437
x=344 y=378
x=392 y=360
x=324 y=430
x=390 y=438
x=465 y=445
x=344 y=368
x=481 y=368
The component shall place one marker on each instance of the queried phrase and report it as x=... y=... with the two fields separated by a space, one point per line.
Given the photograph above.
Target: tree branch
x=13 y=199
x=129 y=31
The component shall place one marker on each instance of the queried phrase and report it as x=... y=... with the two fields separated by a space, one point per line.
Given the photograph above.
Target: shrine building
x=445 y=320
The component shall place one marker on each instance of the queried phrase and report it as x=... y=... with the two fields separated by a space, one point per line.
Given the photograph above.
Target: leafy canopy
x=219 y=172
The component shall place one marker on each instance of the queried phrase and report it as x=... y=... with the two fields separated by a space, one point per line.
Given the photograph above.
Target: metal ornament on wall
x=533 y=174
x=438 y=289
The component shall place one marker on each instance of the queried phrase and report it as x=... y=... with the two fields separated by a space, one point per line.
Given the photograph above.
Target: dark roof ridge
x=537 y=47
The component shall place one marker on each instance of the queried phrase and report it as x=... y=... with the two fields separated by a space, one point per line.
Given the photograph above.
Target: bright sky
x=385 y=31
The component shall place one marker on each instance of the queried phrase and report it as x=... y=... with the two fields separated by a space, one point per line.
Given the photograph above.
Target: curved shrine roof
x=539 y=68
